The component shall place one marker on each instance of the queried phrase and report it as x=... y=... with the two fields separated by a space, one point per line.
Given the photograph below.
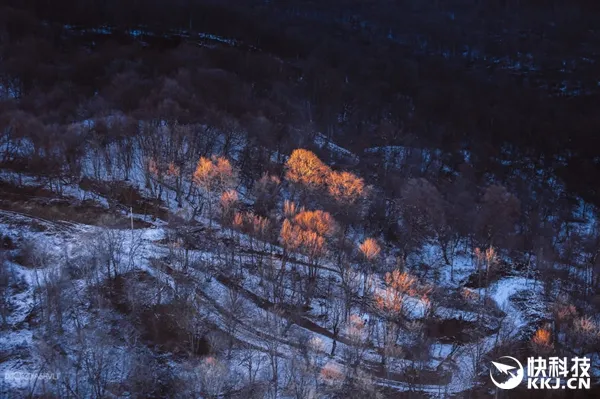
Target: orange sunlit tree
x=369 y=251
x=214 y=176
x=228 y=202
x=305 y=168
x=391 y=305
x=290 y=209
x=313 y=227
x=318 y=221
x=290 y=236
x=541 y=342
x=345 y=187
x=397 y=285
x=485 y=262
x=306 y=231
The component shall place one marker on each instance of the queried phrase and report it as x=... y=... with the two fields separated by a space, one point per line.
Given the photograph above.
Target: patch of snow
x=210 y=36
x=503 y=290
x=322 y=142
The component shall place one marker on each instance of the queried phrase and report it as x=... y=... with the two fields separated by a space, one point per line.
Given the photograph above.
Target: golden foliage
x=318 y=221
x=305 y=168
x=542 y=340
x=228 y=198
x=238 y=220
x=401 y=281
x=290 y=209
x=260 y=225
x=488 y=256
x=542 y=337
x=486 y=260
x=345 y=187
x=389 y=300
x=252 y=224
x=312 y=242
x=222 y=167
x=290 y=235
x=204 y=169
x=370 y=249
x=398 y=284
x=214 y=174
x=306 y=230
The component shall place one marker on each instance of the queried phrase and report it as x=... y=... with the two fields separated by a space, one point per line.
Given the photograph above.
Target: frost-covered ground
x=260 y=327
x=21 y=338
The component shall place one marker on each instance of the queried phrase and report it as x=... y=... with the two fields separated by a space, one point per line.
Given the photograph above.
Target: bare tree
x=252 y=360
x=116 y=248
x=336 y=314
x=584 y=336
x=6 y=280
x=276 y=325
x=300 y=382
x=267 y=192
x=213 y=376
x=237 y=313
x=357 y=334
